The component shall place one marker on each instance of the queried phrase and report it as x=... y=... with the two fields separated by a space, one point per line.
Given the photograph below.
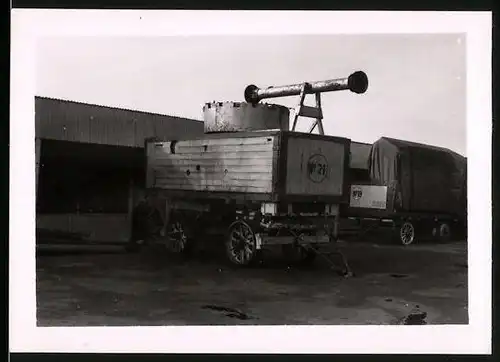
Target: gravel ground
x=392 y=285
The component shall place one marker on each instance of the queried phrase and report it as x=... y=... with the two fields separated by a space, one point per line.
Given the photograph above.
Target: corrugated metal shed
x=79 y=122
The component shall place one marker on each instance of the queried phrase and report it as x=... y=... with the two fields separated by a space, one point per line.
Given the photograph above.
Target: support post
x=318 y=118
x=131 y=204
x=309 y=112
x=298 y=108
x=38 y=143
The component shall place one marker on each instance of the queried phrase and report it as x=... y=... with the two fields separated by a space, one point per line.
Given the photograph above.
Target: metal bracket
x=309 y=112
x=345 y=270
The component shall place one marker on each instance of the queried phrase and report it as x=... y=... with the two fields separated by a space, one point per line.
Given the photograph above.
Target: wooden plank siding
x=239 y=164
x=275 y=164
x=78 y=122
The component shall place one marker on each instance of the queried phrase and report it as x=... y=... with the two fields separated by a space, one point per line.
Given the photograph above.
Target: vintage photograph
x=251 y=180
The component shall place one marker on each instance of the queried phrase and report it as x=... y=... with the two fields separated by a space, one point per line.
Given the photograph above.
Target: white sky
x=417 y=82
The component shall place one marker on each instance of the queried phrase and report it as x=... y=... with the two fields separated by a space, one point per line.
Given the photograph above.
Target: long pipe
x=357 y=82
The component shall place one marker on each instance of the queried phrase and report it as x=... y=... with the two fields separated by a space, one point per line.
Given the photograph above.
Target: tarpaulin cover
x=422 y=178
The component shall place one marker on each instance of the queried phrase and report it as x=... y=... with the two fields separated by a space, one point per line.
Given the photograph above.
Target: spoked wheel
x=407 y=233
x=177 y=236
x=444 y=232
x=241 y=247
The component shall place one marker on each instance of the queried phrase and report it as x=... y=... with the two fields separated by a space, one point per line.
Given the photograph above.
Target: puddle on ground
x=399 y=276
x=407 y=312
x=415 y=318
x=229 y=312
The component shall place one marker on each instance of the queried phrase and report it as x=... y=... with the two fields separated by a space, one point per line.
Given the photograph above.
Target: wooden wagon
x=253 y=180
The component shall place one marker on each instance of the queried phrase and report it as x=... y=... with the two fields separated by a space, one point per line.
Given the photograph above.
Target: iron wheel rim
x=444 y=231
x=241 y=243
x=178 y=237
x=407 y=233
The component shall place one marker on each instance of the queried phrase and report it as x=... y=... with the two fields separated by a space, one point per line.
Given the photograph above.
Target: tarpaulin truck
x=416 y=190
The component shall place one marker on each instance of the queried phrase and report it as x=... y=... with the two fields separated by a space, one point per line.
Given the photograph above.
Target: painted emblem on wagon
x=317 y=168
x=357 y=193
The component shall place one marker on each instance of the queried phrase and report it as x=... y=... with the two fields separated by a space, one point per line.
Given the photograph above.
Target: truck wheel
x=407 y=233
x=444 y=232
x=241 y=247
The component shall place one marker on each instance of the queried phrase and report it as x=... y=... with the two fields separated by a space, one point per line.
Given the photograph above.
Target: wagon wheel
x=407 y=233
x=444 y=232
x=177 y=235
x=241 y=247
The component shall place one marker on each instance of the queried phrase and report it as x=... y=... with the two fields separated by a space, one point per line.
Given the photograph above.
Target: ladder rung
x=311 y=112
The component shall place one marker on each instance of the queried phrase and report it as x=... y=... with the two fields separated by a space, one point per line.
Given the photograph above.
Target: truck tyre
x=444 y=232
x=240 y=244
x=406 y=233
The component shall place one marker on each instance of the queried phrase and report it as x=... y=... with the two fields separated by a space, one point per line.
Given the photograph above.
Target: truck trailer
x=417 y=191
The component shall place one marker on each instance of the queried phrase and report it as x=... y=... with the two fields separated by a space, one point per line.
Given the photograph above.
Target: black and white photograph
x=247 y=181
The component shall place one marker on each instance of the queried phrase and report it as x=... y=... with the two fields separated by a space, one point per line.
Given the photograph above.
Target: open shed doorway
x=85 y=192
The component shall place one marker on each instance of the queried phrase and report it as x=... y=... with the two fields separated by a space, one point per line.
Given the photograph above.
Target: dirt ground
x=392 y=285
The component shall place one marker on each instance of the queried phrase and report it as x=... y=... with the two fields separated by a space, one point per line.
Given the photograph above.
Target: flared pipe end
x=251 y=94
x=358 y=82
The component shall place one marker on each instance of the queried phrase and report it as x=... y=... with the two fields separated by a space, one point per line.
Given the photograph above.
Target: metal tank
x=241 y=117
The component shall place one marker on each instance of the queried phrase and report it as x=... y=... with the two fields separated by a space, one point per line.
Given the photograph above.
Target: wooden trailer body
x=271 y=166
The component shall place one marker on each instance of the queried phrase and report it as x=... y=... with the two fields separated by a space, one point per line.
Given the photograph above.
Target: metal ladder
x=309 y=112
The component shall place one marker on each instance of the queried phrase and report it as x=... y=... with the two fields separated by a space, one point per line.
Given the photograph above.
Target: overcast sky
x=416 y=92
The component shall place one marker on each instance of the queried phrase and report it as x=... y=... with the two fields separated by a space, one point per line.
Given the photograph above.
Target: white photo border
x=29 y=25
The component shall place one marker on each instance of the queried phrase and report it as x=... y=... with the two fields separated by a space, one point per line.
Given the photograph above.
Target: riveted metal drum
x=241 y=117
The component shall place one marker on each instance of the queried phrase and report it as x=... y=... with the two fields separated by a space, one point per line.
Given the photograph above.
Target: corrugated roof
x=81 y=122
x=117 y=108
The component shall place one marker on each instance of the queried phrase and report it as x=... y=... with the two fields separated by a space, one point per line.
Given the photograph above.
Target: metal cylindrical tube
x=241 y=117
x=357 y=82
